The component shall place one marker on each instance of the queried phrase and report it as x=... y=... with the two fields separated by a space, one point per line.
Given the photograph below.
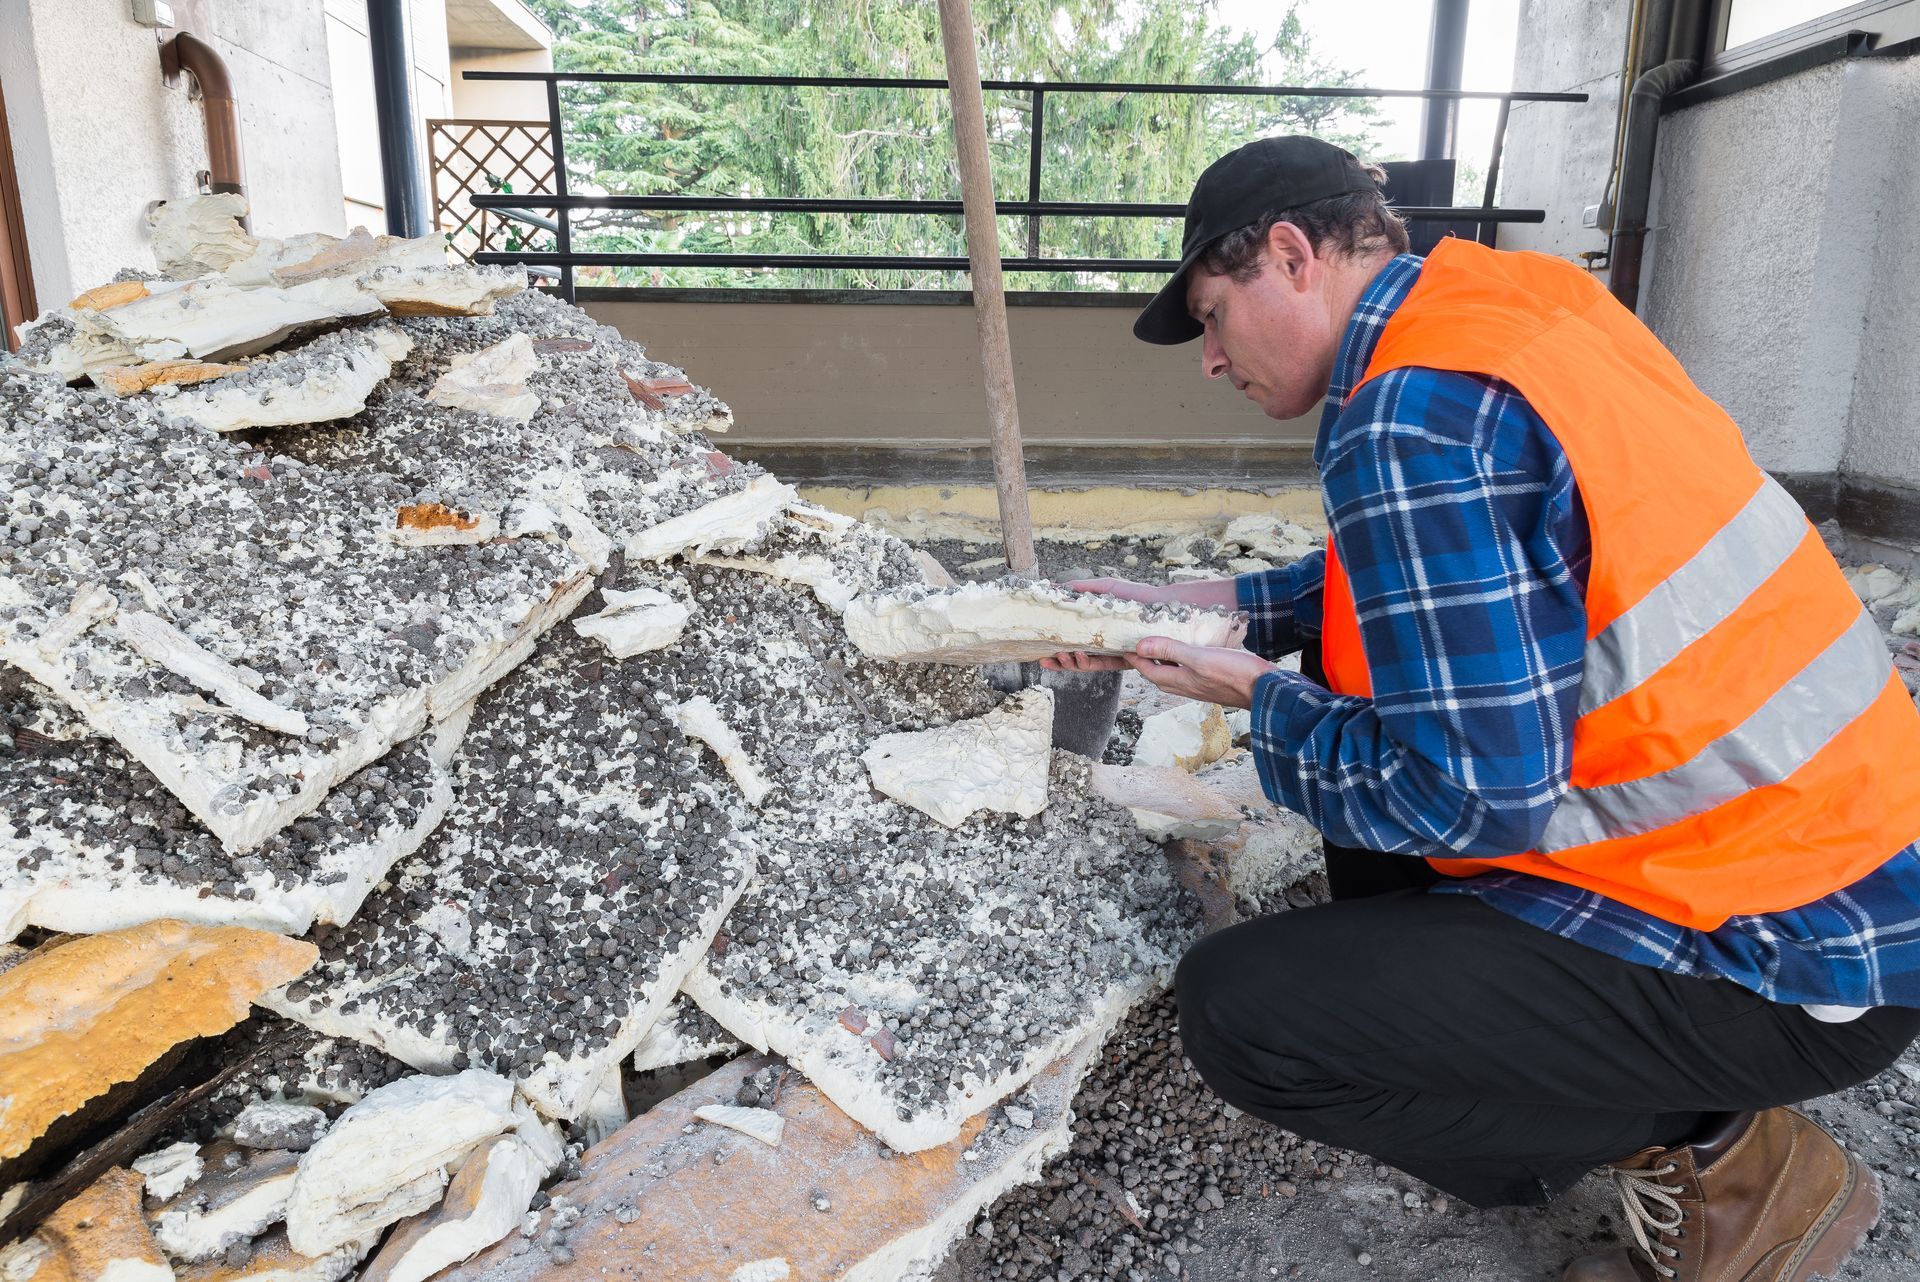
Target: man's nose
x=1213 y=360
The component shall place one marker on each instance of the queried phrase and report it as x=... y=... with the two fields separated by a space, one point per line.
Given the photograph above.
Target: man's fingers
x=1076 y=661
x=1166 y=650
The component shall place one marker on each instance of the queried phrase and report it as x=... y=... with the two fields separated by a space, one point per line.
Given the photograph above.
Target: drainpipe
x=405 y=190
x=1446 y=56
x=186 y=52
x=1679 y=38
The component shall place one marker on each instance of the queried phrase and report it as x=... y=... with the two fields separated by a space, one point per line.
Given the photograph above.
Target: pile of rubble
x=387 y=646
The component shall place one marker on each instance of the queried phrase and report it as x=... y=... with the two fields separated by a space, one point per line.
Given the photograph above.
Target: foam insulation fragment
x=1188 y=735
x=761 y=1124
x=1015 y=620
x=997 y=762
x=485 y=1201
x=492 y=381
x=328 y=378
x=727 y=523
x=634 y=622
x=698 y=718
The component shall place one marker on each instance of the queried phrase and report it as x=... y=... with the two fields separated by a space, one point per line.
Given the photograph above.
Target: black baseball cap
x=1235 y=190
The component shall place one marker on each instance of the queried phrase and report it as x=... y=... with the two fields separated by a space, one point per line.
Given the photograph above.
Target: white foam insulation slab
x=1015 y=619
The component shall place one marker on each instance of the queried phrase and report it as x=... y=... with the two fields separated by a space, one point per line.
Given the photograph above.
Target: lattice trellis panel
x=461 y=155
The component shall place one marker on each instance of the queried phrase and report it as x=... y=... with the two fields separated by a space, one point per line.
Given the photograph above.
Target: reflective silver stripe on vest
x=1784 y=734
x=1695 y=597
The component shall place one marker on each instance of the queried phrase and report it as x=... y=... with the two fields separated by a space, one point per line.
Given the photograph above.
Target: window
x=1746 y=32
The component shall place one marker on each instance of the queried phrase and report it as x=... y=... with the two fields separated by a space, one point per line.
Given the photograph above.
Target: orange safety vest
x=1743 y=744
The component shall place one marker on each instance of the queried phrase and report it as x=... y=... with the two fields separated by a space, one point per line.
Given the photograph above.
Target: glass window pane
x=1751 y=19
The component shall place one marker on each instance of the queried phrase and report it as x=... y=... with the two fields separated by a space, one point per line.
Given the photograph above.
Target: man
x=1607 y=757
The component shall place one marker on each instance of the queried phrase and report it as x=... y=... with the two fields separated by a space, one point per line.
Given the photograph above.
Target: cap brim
x=1166 y=320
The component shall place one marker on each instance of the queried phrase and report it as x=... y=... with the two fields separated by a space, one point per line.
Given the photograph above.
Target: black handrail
x=563 y=203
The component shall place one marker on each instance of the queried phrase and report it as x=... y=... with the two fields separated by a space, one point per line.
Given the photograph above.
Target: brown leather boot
x=1770 y=1197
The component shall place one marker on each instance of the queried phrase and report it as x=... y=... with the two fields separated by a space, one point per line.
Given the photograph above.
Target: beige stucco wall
x=499 y=99
x=910 y=374
x=98 y=135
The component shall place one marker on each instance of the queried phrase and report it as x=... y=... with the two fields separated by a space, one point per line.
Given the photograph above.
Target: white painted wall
x=98 y=135
x=351 y=61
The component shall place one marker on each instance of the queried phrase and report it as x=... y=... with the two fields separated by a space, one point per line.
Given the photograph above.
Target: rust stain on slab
x=699 y=1200
x=433 y=516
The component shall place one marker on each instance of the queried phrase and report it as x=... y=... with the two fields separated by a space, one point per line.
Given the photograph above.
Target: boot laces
x=1652 y=1212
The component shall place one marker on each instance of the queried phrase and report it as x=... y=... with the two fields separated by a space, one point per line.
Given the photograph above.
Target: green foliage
x=760 y=141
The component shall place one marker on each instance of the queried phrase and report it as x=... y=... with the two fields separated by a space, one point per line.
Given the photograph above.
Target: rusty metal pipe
x=225 y=168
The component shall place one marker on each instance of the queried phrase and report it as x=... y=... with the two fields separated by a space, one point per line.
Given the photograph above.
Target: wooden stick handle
x=989 y=297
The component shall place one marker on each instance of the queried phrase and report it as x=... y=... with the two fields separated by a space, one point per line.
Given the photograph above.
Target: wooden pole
x=989 y=297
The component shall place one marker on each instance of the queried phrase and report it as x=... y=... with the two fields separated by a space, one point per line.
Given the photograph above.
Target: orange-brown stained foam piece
x=433 y=516
x=127 y=380
x=270 y=1258
x=103 y=297
x=94 y=1011
x=96 y=1236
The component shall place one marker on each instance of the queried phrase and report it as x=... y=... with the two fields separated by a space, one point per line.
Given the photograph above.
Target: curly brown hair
x=1353 y=225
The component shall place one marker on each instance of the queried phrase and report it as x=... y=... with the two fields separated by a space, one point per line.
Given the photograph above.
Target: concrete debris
x=98 y=1236
x=1168 y=802
x=97 y=843
x=96 y=1011
x=270 y=1124
x=1187 y=736
x=762 y=1124
x=550 y=919
x=486 y=1200
x=887 y=1219
x=492 y=381
x=1013 y=619
x=328 y=378
x=166 y=1171
x=239 y=1195
x=684 y=1034
x=699 y=719
x=385 y=1157
x=199 y=234
x=213 y=320
x=442 y=291
x=727 y=523
x=998 y=762
x=271 y=1258
x=635 y=622
x=1273 y=540
x=130 y=380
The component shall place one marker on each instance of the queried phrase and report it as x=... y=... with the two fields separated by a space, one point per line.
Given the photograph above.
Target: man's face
x=1273 y=336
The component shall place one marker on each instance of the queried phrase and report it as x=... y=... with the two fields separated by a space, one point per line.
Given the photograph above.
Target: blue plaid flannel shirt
x=1466 y=544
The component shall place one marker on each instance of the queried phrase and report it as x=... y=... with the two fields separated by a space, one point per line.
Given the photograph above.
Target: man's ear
x=1290 y=254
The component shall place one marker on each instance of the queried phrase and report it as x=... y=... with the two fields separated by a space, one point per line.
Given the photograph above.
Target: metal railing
x=564 y=203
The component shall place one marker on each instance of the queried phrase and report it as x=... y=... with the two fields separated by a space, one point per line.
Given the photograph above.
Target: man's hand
x=1214 y=674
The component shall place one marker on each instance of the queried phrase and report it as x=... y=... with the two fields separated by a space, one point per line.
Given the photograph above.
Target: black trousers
x=1490 y=1058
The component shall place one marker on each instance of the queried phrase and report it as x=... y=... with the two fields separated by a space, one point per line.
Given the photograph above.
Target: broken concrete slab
x=97 y=1010
x=98 y=1236
x=212 y=320
x=441 y=290
x=369 y=644
x=723 y=1207
x=683 y=1034
x=1186 y=736
x=270 y=1258
x=239 y=1194
x=727 y=523
x=550 y=920
x=166 y=1171
x=634 y=622
x=97 y=843
x=328 y=378
x=998 y=762
x=273 y=1124
x=386 y=1157
x=485 y=1202
x=492 y=381
x=1013 y=619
